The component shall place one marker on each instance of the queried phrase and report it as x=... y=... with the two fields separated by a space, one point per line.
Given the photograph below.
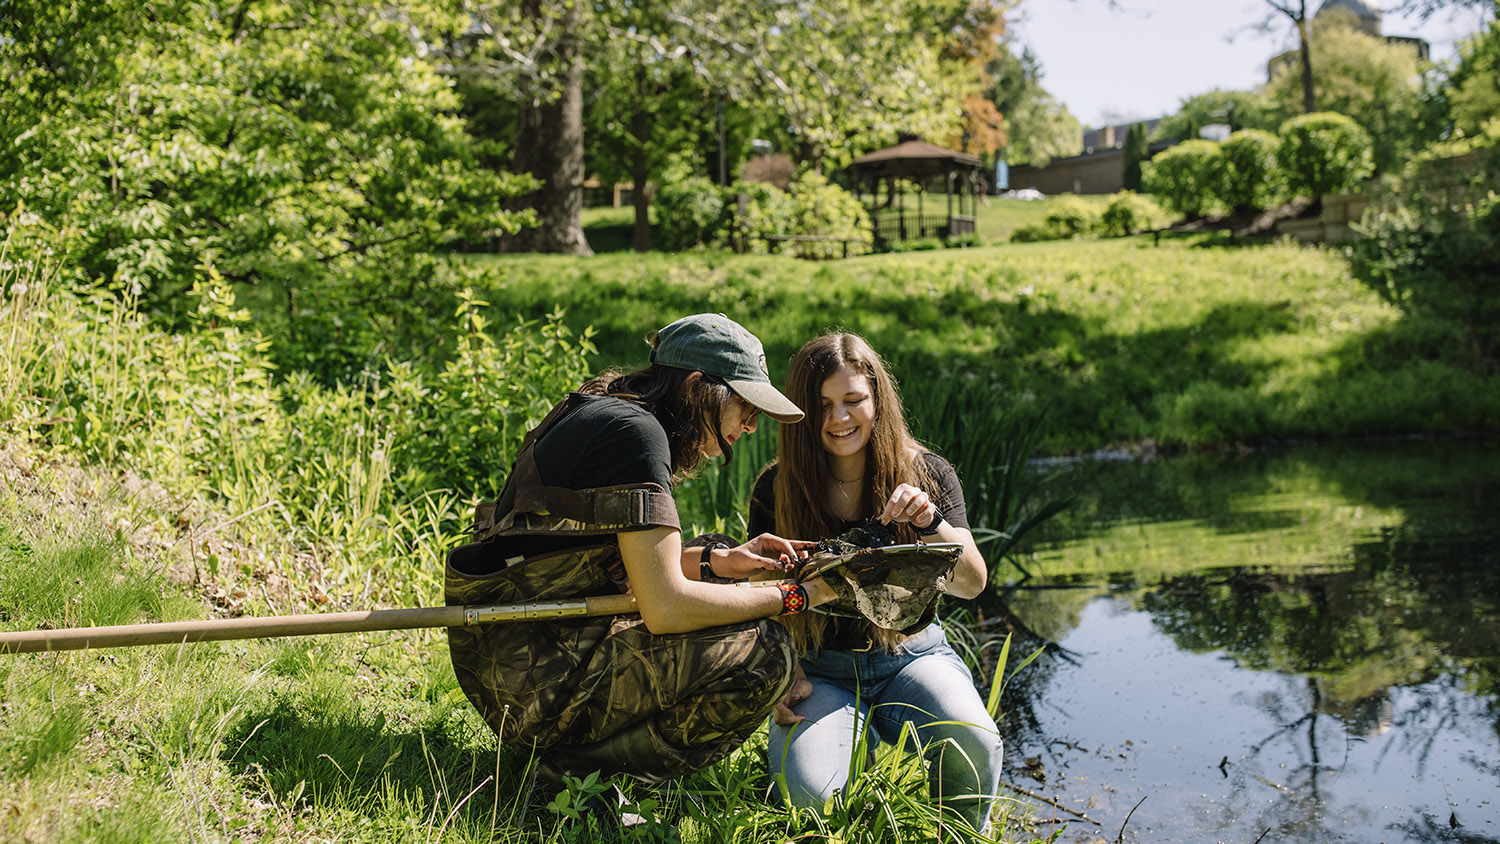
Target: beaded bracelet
x=793 y=597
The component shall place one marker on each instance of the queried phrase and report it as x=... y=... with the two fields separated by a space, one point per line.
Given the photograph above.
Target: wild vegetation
x=263 y=497
x=245 y=368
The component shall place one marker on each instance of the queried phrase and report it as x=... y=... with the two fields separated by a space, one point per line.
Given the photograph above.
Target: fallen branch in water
x=1050 y=802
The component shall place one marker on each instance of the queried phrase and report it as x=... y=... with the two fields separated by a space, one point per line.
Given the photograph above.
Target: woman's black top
x=607 y=441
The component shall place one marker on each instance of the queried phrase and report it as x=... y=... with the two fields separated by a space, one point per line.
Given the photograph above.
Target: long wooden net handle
x=171 y=633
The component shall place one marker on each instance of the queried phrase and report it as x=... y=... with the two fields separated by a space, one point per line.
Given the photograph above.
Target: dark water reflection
x=1301 y=644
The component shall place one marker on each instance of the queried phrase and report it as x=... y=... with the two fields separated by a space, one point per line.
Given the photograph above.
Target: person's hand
x=801 y=688
x=909 y=504
x=767 y=552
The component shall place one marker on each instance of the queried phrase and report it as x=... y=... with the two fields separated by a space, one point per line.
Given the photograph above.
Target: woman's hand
x=766 y=552
x=799 y=691
x=909 y=504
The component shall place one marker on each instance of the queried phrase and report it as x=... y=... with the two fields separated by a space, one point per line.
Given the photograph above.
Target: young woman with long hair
x=855 y=459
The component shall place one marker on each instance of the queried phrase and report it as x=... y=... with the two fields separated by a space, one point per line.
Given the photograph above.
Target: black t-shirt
x=606 y=441
x=949 y=499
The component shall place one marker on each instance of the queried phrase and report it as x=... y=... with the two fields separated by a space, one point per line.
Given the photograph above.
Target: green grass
x=336 y=738
x=1185 y=344
x=996 y=218
x=610 y=229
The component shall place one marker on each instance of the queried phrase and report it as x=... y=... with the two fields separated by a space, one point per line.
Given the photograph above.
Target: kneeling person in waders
x=588 y=510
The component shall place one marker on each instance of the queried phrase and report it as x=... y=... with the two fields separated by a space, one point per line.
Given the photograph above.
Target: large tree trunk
x=1309 y=105
x=549 y=145
x=640 y=168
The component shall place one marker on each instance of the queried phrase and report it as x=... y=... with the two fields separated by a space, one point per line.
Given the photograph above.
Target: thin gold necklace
x=839 y=484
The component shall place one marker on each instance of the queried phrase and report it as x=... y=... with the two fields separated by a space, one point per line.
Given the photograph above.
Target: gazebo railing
x=895 y=224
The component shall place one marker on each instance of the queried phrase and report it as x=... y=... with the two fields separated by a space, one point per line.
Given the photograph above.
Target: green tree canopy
x=1137 y=151
x=1377 y=83
x=1236 y=109
x=303 y=146
x=833 y=77
x=1474 y=85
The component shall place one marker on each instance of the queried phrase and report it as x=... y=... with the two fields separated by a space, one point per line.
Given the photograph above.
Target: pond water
x=1298 y=645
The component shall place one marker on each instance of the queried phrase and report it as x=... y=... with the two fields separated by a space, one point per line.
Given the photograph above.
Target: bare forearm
x=701 y=605
x=671 y=602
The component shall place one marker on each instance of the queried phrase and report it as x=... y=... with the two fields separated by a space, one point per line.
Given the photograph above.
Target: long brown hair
x=690 y=409
x=892 y=457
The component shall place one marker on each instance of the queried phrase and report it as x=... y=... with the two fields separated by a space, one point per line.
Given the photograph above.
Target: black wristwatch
x=705 y=569
x=932 y=526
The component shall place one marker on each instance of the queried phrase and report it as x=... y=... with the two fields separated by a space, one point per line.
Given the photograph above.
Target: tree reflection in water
x=1342 y=604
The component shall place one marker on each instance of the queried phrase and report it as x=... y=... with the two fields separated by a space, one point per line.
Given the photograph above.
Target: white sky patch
x=1142 y=58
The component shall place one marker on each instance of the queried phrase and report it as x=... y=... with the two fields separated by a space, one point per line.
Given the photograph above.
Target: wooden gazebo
x=928 y=167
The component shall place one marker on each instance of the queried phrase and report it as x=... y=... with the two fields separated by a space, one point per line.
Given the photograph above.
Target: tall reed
x=990 y=444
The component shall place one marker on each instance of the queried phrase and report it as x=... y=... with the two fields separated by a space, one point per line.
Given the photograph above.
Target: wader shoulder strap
x=539 y=508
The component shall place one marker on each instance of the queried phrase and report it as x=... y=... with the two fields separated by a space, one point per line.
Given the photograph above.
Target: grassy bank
x=336 y=738
x=1185 y=344
x=148 y=475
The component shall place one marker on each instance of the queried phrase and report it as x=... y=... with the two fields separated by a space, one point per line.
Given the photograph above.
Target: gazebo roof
x=913 y=158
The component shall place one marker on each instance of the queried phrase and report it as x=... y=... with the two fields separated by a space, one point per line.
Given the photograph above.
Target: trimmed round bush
x=1069 y=216
x=1129 y=212
x=1323 y=153
x=1248 y=177
x=1184 y=177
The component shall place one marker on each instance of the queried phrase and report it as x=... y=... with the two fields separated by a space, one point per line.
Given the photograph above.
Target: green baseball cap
x=716 y=345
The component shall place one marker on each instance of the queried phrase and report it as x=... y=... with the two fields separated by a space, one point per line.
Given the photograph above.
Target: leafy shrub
x=690 y=212
x=1129 y=212
x=314 y=154
x=826 y=209
x=1184 y=177
x=1322 y=153
x=914 y=244
x=760 y=210
x=1432 y=247
x=1211 y=412
x=1071 y=216
x=373 y=473
x=1034 y=233
x=927 y=244
x=1248 y=177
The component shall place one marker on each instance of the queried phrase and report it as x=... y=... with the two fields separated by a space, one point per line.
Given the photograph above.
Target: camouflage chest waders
x=604 y=693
